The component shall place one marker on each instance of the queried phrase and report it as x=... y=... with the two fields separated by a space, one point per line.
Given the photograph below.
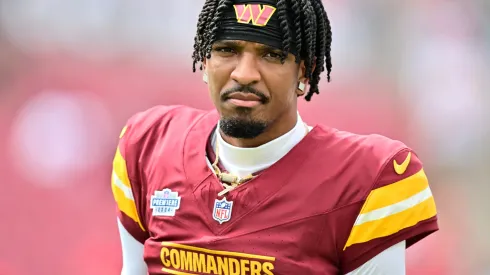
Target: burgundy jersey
x=332 y=203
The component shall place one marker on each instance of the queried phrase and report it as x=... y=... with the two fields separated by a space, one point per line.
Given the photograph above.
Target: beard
x=242 y=127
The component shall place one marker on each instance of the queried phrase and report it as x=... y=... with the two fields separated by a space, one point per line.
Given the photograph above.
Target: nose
x=246 y=71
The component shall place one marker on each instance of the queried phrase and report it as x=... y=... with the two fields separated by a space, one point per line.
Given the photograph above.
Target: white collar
x=243 y=161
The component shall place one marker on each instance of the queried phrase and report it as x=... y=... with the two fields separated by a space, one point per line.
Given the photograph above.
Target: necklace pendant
x=228 y=178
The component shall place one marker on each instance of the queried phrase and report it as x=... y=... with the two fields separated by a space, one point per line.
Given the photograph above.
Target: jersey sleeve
x=399 y=207
x=128 y=180
x=126 y=190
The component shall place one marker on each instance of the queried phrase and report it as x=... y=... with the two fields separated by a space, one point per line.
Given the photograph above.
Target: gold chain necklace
x=230 y=181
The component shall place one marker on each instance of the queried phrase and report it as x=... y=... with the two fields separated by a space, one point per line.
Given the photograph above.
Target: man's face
x=250 y=87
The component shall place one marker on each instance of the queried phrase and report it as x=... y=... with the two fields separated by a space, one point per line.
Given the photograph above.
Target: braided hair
x=309 y=24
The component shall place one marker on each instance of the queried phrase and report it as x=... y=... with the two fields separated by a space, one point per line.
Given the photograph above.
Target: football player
x=250 y=188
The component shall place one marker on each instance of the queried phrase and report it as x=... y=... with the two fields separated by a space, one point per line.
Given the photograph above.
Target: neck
x=278 y=128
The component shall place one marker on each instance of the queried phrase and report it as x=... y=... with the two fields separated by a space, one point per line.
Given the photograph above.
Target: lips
x=244 y=99
x=245 y=96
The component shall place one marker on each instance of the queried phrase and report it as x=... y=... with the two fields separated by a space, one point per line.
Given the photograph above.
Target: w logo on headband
x=256 y=14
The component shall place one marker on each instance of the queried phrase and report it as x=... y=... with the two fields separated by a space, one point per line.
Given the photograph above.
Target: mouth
x=247 y=100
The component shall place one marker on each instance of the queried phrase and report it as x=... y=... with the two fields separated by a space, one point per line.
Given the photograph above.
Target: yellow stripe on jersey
x=392 y=208
x=121 y=189
x=119 y=168
x=123 y=131
x=395 y=192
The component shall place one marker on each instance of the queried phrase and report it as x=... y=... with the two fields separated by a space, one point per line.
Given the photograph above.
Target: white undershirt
x=245 y=161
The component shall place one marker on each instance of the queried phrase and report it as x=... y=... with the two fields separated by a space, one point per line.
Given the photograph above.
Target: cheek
x=284 y=88
x=214 y=84
x=218 y=75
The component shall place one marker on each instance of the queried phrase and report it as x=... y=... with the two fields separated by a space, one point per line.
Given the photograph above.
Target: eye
x=274 y=55
x=223 y=49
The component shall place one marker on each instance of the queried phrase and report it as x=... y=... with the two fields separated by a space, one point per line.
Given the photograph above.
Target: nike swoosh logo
x=401 y=168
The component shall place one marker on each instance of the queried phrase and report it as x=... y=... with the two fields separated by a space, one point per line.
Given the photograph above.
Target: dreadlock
x=309 y=24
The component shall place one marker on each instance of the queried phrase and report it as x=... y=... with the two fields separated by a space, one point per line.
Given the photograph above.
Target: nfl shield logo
x=222 y=210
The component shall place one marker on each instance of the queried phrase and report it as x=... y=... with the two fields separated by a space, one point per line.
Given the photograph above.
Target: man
x=249 y=188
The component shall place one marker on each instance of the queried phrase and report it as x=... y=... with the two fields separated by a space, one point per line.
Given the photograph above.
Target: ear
x=302 y=80
x=204 y=64
x=204 y=73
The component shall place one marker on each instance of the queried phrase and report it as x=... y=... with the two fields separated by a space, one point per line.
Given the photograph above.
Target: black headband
x=254 y=21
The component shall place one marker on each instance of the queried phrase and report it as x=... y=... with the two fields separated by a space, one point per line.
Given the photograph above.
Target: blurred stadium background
x=72 y=72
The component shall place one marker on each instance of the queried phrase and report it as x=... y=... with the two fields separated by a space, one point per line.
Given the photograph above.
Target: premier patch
x=165 y=203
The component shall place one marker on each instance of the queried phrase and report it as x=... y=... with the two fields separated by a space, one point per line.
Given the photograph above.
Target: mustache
x=245 y=89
